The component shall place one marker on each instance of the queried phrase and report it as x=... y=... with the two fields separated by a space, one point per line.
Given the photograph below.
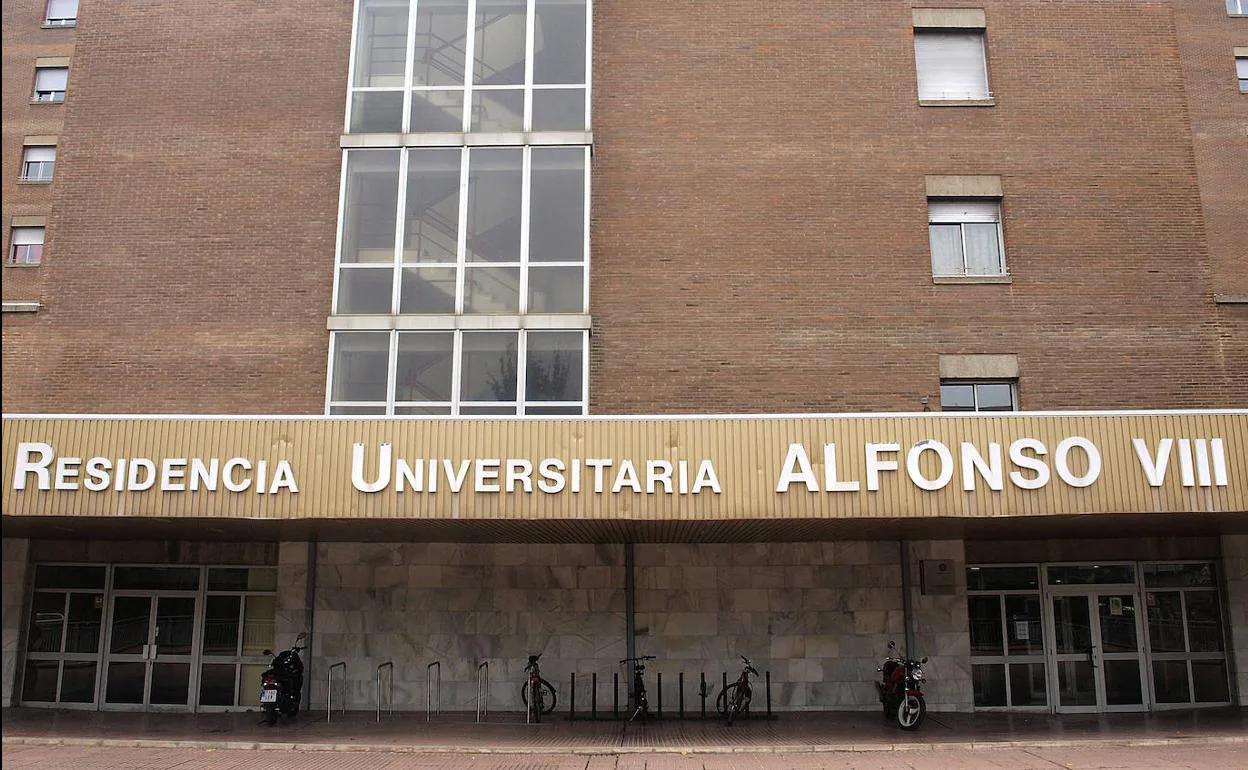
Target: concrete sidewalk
x=507 y=733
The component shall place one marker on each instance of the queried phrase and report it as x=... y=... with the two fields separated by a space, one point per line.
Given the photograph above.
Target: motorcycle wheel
x=270 y=714
x=911 y=712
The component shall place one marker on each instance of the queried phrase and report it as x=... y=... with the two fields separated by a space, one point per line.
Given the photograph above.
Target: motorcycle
x=900 y=689
x=281 y=685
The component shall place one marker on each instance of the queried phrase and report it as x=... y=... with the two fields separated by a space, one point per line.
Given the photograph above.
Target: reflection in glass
x=47 y=621
x=1025 y=634
x=499 y=53
x=556 y=289
x=554 y=366
x=371 y=210
x=39 y=680
x=221 y=625
x=946 y=245
x=1117 y=615
x=1198 y=575
x=557 y=206
x=985 y=624
x=1091 y=574
x=1170 y=681
x=492 y=290
x=498 y=110
x=424 y=366
x=1204 y=621
x=1028 y=686
x=242 y=579
x=82 y=632
x=175 y=625
x=437 y=111
x=216 y=684
x=249 y=683
x=1165 y=621
x=995 y=397
x=957 y=397
x=494 y=197
x=1209 y=683
x=259 y=616
x=131 y=625
x=361 y=360
x=156 y=578
x=431 y=231
x=441 y=32
x=170 y=683
x=998 y=578
x=559 y=109
x=427 y=290
x=983 y=249
x=1072 y=626
x=988 y=684
x=68 y=576
x=377 y=112
x=559 y=41
x=365 y=290
x=125 y=683
x=78 y=681
x=488 y=370
x=1076 y=683
x=381 y=43
x=552 y=411
x=1122 y=682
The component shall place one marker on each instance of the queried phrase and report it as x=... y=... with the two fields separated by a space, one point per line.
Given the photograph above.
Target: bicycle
x=735 y=699
x=641 y=705
x=537 y=694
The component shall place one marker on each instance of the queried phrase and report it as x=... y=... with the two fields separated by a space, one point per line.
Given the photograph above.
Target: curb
x=851 y=748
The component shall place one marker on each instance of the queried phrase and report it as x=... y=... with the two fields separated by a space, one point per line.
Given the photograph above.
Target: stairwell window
x=432 y=373
x=50 y=84
x=966 y=238
x=62 y=13
x=25 y=246
x=977 y=396
x=951 y=65
x=480 y=230
x=38 y=164
x=509 y=66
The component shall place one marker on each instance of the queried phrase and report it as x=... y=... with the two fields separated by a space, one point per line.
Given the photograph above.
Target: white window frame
x=456 y=404
x=924 y=38
x=47 y=95
x=461 y=263
x=41 y=169
x=468 y=87
x=20 y=252
x=60 y=20
x=1005 y=658
x=940 y=211
x=974 y=384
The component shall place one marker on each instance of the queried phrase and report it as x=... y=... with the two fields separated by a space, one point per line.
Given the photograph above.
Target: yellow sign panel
x=646 y=469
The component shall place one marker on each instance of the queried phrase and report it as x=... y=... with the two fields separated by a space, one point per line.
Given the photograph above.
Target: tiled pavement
x=789 y=733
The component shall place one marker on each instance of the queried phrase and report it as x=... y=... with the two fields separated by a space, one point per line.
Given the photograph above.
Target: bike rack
x=483 y=684
x=433 y=694
x=389 y=664
x=329 y=693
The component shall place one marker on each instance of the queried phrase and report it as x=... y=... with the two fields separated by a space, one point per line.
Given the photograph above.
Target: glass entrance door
x=149 y=652
x=1097 y=652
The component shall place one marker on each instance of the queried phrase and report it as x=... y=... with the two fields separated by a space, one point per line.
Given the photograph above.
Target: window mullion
x=526 y=191
x=586 y=179
x=457 y=365
x=392 y=372
x=589 y=73
x=585 y=368
x=409 y=66
x=470 y=52
x=461 y=244
x=529 y=53
x=522 y=354
x=1005 y=649
x=342 y=215
x=400 y=227
x=356 y=29
x=1187 y=648
x=962 y=236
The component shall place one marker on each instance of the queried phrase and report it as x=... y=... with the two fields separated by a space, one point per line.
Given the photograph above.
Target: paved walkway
x=507 y=733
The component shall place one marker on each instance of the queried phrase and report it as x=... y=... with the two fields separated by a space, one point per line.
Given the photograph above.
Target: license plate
x=268 y=696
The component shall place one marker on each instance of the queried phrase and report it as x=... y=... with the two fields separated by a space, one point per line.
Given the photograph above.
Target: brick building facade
x=770 y=198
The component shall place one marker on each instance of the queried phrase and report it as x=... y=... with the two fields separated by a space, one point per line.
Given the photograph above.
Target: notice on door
x=1022 y=630
x=1115 y=605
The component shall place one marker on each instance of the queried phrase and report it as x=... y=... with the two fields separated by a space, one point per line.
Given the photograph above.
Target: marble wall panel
x=15 y=553
x=1235 y=569
x=941 y=629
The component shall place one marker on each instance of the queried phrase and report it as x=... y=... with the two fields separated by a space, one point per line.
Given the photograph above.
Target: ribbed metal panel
x=747 y=454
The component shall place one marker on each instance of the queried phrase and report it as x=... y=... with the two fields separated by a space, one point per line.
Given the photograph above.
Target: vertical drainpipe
x=310 y=603
x=907 y=610
x=630 y=618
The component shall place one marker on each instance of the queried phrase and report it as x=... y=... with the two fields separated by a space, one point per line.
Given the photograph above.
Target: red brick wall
x=759 y=234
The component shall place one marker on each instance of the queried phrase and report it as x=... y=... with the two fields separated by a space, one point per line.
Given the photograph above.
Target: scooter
x=281 y=685
x=900 y=689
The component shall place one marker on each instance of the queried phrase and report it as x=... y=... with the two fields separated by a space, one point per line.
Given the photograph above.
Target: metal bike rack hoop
x=483 y=686
x=389 y=664
x=433 y=694
x=329 y=691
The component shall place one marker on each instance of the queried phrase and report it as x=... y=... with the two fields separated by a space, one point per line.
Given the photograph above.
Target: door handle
x=1092 y=658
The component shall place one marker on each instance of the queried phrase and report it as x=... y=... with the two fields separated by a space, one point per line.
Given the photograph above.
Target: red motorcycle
x=901 y=689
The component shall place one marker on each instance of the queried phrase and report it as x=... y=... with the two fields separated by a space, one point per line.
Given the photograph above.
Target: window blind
x=62 y=9
x=964 y=211
x=1241 y=67
x=951 y=65
x=51 y=79
x=35 y=154
x=27 y=236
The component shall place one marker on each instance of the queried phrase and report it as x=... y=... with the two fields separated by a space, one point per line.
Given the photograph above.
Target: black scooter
x=281 y=685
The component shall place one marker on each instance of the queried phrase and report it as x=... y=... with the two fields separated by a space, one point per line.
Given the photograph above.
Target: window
x=1007 y=637
x=26 y=246
x=951 y=65
x=50 y=83
x=62 y=13
x=457 y=237
x=1185 y=633
x=513 y=65
x=966 y=238
x=38 y=163
x=1241 y=71
x=1237 y=7
x=458 y=372
x=985 y=396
